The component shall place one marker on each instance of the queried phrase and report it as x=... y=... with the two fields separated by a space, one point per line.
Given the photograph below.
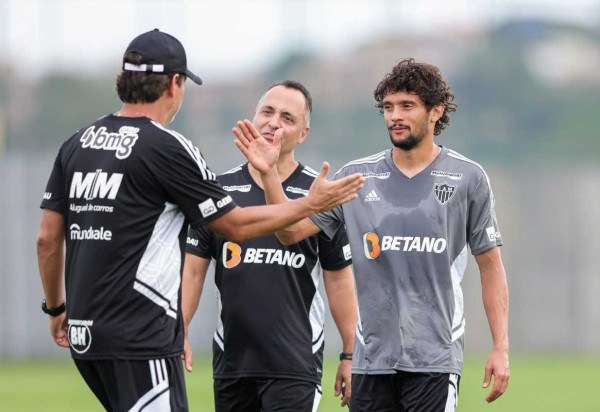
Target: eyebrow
x=269 y=107
x=399 y=102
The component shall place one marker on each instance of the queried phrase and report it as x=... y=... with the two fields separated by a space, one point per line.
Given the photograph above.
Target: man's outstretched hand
x=326 y=194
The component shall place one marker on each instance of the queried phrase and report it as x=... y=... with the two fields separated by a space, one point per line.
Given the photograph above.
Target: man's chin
x=406 y=144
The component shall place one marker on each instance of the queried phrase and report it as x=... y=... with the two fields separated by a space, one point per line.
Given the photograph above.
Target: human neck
x=151 y=111
x=412 y=162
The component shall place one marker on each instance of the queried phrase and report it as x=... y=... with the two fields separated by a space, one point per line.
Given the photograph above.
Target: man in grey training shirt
x=421 y=206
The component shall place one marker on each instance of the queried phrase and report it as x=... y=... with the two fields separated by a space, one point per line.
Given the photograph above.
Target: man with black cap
x=120 y=195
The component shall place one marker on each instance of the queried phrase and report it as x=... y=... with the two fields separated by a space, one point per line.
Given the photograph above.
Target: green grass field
x=544 y=384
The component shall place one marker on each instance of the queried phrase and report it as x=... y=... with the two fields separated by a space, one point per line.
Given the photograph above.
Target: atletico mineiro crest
x=443 y=192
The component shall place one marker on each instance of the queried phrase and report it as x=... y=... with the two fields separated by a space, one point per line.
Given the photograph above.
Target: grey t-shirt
x=409 y=240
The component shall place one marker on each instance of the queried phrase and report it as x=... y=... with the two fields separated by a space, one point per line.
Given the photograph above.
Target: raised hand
x=325 y=194
x=261 y=154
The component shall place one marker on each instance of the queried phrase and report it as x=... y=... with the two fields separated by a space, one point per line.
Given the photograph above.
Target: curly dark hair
x=424 y=80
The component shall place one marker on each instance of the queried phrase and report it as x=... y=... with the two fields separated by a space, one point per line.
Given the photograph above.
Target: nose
x=397 y=114
x=274 y=121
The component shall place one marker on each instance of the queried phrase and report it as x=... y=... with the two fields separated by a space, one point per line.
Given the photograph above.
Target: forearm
x=50 y=257
x=246 y=223
x=341 y=295
x=50 y=265
x=495 y=302
x=495 y=298
x=194 y=274
x=191 y=292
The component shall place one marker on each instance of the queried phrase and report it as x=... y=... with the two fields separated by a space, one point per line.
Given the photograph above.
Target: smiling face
x=408 y=120
x=285 y=108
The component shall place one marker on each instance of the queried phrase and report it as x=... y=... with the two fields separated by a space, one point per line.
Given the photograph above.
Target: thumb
x=324 y=170
x=487 y=377
x=338 y=385
x=278 y=136
x=188 y=363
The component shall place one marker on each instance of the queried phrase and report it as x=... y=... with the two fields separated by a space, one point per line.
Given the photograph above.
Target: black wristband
x=54 y=311
x=345 y=356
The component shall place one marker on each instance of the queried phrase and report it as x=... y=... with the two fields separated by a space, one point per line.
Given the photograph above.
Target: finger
x=243 y=131
x=347 y=394
x=240 y=137
x=348 y=185
x=244 y=128
x=61 y=340
x=493 y=395
x=343 y=200
x=487 y=377
x=353 y=181
x=500 y=384
x=346 y=398
x=278 y=136
x=242 y=148
x=324 y=171
x=251 y=129
x=338 y=385
x=189 y=361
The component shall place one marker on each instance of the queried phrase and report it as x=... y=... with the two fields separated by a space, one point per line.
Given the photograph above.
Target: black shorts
x=405 y=392
x=265 y=395
x=132 y=385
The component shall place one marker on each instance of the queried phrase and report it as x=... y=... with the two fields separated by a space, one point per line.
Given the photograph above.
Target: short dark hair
x=293 y=84
x=142 y=87
x=424 y=80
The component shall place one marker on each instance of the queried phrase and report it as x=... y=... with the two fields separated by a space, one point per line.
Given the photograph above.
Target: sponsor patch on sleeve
x=492 y=233
x=347 y=252
x=207 y=208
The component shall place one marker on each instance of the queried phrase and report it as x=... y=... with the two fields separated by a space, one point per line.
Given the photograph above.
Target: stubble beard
x=412 y=141
x=407 y=144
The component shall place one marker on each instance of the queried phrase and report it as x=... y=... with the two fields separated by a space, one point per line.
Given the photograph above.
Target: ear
x=304 y=135
x=437 y=112
x=173 y=84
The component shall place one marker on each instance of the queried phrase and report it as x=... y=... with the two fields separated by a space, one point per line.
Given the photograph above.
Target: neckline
x=441 y=155
x=292 y=176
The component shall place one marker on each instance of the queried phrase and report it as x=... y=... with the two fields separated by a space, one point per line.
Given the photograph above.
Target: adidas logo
x=372 y=197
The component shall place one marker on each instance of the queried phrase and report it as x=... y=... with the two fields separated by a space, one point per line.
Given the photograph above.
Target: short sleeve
x=334 y=253
x=200 y=242
x=330 y=221
x=482 y=228
x=54 y=196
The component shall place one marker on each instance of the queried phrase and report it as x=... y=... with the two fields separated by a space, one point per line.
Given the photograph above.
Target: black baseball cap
x=161 y=53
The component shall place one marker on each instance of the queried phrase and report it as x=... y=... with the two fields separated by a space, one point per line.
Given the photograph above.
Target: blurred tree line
x=526 y=91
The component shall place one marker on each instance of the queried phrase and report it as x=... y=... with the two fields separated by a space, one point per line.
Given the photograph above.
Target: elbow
x=48 y=243
x=286 y=238
x=237 y=237
x=43 y=242
x=235 y=234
